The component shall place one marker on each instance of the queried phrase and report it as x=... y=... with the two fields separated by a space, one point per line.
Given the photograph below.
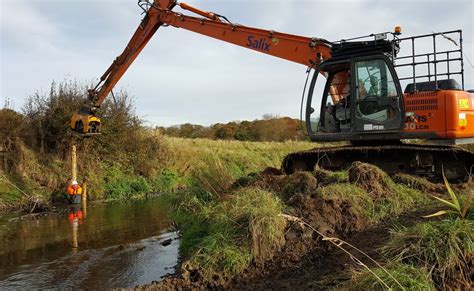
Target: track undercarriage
x=422 y=160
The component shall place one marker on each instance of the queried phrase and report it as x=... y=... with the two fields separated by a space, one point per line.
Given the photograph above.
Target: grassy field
x=216 y=164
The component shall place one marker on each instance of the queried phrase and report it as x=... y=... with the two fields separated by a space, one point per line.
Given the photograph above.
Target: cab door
x=378 y=101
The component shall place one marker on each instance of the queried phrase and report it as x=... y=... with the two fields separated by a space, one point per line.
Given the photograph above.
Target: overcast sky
x=183 y=77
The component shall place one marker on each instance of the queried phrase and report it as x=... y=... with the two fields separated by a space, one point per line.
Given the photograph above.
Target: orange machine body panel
x=443 y=114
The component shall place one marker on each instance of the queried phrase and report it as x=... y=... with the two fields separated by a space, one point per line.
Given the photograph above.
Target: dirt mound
x=272 y=171
x=329 y=215
x=285 y=186
x=418 y=183
x=299 y=183
x=326 y=177
x=370 y=178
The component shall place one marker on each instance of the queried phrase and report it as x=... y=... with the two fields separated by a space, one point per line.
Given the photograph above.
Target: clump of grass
x=168 y=181
x=220 y=255
x=300 y=182
x=445 y=246
x=400 y=199
x=121 y=184
x=265 y=225
x=410 y=277
x=8 y=195
x=326 y=177
x=222 y=238
x=356 y=196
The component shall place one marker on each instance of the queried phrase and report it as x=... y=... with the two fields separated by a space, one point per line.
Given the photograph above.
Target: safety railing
x=435 y=64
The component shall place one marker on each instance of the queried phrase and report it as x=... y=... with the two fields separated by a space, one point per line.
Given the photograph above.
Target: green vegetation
x=446 y=247
x=122 y=164
x=10 y=195
x=215 y=165
x=457 y=206
x=221 y=238
x=415 y=182
x=409 y=277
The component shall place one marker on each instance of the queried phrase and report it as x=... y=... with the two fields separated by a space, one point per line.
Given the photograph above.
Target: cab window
x=375 y=85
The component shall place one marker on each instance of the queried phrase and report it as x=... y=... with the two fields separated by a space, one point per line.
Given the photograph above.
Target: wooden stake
x=73 y=163
x=75 y=226
x=84 y=197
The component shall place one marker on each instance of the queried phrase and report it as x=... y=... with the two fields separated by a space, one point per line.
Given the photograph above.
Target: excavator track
x=416 y=159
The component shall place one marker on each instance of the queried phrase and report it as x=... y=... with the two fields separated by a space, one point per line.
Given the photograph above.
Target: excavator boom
x=303 y=50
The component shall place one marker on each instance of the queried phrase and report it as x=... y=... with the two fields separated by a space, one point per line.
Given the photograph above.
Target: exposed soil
x=325 y=267
x=305 y=262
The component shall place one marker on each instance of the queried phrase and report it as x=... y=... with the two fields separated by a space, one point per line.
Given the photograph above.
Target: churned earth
x=337 y=226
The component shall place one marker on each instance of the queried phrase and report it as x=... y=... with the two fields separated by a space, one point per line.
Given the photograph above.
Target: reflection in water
x=116 y=246
x=75 y=217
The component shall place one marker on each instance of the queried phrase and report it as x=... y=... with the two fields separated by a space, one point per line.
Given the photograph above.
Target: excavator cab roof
x=347 y=49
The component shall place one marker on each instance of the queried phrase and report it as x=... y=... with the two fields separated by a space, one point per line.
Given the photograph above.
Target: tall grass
x=215 y=165
x=222 y=238
x=446 y=247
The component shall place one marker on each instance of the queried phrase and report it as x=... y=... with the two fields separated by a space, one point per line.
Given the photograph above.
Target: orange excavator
x=354 y=94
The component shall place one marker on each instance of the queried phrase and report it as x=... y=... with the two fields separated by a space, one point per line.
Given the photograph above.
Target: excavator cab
x=356 y=95
x=85 y=122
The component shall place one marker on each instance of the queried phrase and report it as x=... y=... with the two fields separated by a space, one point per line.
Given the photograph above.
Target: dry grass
x=216 y=164
x=446 y=247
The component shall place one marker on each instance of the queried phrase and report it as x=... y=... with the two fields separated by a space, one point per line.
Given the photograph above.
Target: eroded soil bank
x=335 y=222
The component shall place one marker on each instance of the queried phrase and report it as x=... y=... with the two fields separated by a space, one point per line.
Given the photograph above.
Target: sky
x=183 y=77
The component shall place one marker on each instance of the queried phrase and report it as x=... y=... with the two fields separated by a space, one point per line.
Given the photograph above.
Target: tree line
x=269 y=128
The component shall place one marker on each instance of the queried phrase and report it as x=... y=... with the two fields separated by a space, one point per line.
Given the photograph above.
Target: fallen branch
x=5 y=179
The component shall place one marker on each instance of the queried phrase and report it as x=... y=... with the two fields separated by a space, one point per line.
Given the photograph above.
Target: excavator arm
x=145 y=31
x=303 y=50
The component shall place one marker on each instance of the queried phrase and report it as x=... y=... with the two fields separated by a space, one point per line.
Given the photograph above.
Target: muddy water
x=118 y=245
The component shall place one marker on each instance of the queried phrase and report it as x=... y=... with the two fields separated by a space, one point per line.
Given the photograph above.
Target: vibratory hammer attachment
x=85 y=123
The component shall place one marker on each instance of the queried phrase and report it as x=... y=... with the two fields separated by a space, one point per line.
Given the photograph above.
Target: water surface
x=118 y=245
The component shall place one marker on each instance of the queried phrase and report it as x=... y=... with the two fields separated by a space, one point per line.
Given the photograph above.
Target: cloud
x=22 y=25
x=184 y=77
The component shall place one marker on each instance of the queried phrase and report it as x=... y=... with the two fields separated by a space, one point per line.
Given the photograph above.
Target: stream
x=107 y=246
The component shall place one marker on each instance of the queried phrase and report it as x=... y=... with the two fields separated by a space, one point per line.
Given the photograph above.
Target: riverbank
x=175 y=163
x=269 y=230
